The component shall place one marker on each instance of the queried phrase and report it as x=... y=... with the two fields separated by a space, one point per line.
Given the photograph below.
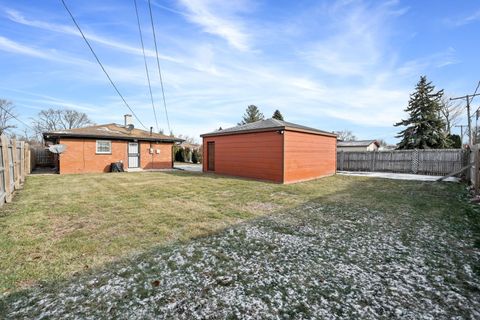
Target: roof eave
x=227 y=133
x=219 y=133
x=50 y=135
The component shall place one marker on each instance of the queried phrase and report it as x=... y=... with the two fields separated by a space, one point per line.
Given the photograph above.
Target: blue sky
x=332 y=65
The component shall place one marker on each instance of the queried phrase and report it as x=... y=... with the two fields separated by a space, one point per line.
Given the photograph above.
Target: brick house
x=94 y=148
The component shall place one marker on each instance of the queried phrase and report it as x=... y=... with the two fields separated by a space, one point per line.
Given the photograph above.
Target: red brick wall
x=251 y=155
x=163 y=160
x=80 y=156
x=309 y=156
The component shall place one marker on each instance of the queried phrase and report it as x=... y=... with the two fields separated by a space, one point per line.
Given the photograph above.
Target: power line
x=469 y=98
x=474 y=94
x=476 y=89
x=158 y=65
x=100 y=63
x=15 y=117
x=145 y=62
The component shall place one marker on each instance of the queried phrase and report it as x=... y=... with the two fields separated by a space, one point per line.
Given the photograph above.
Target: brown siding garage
x=253 y=155
x=308 y=156
x=270 y=150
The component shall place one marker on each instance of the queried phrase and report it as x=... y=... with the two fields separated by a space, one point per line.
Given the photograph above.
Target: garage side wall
x=309 y=156
x=251 y=155
x=80 y=156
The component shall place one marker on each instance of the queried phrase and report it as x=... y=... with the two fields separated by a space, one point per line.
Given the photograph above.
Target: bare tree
x=59 y=119
x=73 y=119
x=382 y=142
x=345 y=135
x=188 y=139
x=6 y=115
x=25 y=136
x=451 y=112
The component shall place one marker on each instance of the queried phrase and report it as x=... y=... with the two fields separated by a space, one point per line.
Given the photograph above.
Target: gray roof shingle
x=110 y=131
x=358 y=143
x=265 y=125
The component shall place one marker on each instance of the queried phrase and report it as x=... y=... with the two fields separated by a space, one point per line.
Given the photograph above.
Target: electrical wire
x=145 y=62
x=471 y=99
x=100 y=63
x=13 y=116
x=158 y=65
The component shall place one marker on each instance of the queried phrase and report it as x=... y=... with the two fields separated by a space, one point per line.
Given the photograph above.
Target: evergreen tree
x=252 y=114
x=455 y=141
x=425 y=129
x=277 y=115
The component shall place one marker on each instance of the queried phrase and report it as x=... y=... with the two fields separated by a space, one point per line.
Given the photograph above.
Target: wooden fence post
x=476 y=168
x=372 y=166
x=27 y=155
x=21 y=161
x=16 y=170
x=6 y=166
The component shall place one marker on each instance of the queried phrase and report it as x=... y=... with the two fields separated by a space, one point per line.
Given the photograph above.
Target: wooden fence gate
x=427 y=162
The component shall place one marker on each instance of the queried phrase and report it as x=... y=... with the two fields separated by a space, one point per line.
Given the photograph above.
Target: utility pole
x=461 y=126
x=469 y=98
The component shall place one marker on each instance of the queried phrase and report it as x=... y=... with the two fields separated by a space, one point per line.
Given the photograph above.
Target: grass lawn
x=186 y=245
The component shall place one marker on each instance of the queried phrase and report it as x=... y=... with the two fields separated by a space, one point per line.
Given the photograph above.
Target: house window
x=104 y=146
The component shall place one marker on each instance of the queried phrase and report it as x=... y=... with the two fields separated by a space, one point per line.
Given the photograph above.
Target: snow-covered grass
x=374 y=251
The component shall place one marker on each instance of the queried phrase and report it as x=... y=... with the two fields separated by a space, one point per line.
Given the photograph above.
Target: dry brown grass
x=59 y=225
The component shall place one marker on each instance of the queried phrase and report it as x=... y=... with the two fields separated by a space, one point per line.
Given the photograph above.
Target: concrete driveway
x=194 y=167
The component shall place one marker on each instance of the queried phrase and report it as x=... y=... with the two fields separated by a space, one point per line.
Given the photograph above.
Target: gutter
x=220 y=133
x=48 y=136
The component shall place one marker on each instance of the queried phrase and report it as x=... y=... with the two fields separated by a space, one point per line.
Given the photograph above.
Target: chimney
x=128 y=119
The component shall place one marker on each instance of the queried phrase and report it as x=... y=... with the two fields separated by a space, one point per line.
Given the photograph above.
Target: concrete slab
x=194 y=167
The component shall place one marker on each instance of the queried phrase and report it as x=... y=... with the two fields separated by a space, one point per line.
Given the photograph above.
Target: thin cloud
x=356 y=45
x=226 y=26
x=17 y=17
x=15 y=47
x=461 y=21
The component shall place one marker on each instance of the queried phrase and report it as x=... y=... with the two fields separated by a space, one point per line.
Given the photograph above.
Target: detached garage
x=272 y=150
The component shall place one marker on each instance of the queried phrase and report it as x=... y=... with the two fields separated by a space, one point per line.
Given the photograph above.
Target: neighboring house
x=190 y=146
x=94 y=148
x=361 y=145
x=387 y=148
x=270 y=150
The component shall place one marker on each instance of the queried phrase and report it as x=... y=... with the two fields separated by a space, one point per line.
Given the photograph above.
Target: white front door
x=133 y=155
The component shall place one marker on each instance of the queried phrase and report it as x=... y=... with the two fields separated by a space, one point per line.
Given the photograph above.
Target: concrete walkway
x=396 y=176
x=194 y=167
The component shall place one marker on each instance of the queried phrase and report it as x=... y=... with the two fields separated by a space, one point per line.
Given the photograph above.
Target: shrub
x=194 y=156
x=179 y=156
x=455 y=141
x=187 y=154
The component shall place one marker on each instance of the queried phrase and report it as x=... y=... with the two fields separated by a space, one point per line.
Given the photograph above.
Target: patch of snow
x=315 y=261
x=106 y=129
x=397 y=176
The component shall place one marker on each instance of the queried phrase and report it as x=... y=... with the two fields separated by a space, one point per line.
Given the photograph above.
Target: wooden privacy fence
x=42 y=157
x=15 y=164
x=429 y=162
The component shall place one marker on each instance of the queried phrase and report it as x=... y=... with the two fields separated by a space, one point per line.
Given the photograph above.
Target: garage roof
x=267 y=125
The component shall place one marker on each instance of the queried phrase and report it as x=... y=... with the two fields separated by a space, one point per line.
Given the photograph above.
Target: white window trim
x=103 y=152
